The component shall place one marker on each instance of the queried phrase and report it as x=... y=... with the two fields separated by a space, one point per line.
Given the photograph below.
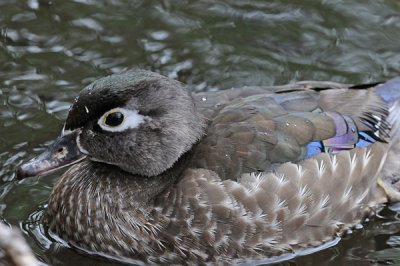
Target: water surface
x=49 y=50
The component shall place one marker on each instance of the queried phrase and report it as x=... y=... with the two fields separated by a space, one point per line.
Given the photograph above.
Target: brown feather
x=248 y=189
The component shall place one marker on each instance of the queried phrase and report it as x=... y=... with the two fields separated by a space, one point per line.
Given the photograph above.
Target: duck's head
x=139 y=121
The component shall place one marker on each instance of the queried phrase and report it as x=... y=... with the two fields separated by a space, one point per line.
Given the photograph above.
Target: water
x=50 y=49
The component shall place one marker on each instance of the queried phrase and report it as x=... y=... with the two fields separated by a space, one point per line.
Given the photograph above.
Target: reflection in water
x=50 y=49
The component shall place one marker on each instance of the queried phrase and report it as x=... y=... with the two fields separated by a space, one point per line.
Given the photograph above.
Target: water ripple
x=49 y=50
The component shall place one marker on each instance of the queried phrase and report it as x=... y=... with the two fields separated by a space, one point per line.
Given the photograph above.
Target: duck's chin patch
x=80 y=147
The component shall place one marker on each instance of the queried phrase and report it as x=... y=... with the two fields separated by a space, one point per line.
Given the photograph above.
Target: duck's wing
x=254 y=129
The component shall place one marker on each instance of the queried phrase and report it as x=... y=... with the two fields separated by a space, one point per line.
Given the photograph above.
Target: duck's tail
x=390 y=93
x=390 y=178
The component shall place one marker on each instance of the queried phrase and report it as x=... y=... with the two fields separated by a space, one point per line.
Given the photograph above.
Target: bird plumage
x=222 y=177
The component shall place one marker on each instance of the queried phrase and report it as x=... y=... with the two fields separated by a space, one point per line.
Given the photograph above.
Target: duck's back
x=254 y=129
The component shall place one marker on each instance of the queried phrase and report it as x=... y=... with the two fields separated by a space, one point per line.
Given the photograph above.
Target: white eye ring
x=131 y=119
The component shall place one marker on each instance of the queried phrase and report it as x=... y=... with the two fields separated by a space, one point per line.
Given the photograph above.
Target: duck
x=162 y=175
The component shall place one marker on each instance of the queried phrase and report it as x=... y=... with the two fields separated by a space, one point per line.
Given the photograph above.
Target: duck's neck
x=101 y=208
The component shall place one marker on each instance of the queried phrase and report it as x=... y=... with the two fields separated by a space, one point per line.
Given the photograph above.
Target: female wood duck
x=160 y=176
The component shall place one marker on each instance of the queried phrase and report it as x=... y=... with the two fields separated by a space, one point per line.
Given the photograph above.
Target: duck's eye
x=114 y=119
x=120 y=119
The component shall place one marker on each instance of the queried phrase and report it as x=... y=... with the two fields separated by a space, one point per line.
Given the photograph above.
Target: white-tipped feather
x=334 y=162
x=300 y=170
x=321 y=168
x=282 y=179
x=353 y=162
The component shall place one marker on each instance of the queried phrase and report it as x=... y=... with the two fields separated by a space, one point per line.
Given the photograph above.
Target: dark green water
x=49 y=50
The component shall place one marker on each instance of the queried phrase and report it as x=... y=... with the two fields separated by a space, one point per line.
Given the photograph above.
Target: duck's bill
x=63 y=152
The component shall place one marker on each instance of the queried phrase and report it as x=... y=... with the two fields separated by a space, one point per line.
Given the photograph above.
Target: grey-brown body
x=232 y=178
